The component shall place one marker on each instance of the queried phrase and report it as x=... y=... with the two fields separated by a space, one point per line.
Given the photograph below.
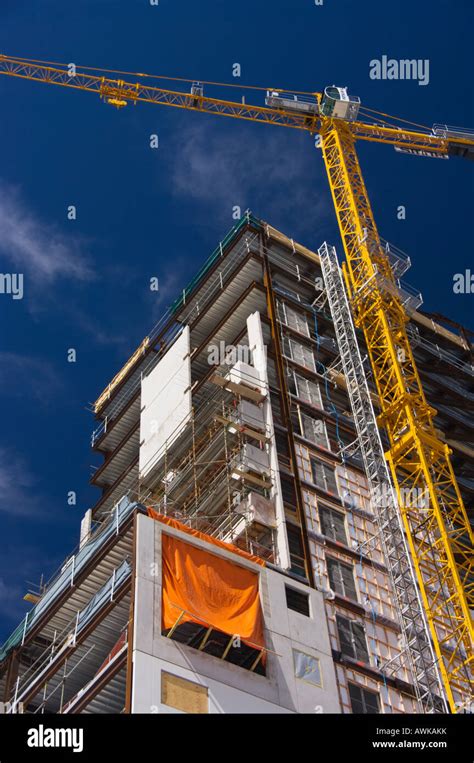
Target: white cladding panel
x=165 y=402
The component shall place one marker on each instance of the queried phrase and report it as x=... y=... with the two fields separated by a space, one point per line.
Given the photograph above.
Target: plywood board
x=184 y=695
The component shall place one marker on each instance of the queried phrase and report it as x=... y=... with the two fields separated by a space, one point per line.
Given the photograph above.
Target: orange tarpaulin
x=210 y=591
x=208 y=538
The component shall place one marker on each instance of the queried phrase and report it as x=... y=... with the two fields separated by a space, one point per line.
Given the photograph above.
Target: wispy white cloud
x=21 y=372
x=276 y=174
x=95 y=329
x=36 y=247
x=18 y=487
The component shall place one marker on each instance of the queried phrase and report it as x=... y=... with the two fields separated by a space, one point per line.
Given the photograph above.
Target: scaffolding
x=46 y=675
x=205 y=471
x=184 y=311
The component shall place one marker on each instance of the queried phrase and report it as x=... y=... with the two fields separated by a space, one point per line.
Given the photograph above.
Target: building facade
x=232 y=459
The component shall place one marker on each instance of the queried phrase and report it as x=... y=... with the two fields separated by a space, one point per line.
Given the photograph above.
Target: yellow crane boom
x=439 y=534
x=119 y=93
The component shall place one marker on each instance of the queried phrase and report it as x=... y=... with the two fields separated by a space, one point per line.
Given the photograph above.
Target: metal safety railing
x=66 y=640
x=64 y=578
x=416 y=339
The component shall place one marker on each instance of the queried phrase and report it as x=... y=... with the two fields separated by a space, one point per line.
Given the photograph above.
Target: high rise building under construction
x=247 y=553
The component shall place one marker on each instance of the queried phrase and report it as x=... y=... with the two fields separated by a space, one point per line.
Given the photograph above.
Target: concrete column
x=259 y=355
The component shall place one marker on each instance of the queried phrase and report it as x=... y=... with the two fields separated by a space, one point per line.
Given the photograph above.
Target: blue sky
x=144 y=213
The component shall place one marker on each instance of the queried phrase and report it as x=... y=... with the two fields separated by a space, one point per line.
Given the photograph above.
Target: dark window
x=288 y=492
x=352 y=639
x=291 y=382
x=285 y=347
x=276 y=410
x=363 y=700
x=282 y=444
x=295 y=544
x=283 y=450
x=216 y=643
x=297 y=600
x=272 y=373
x=332 y=524
x=324 y=476
x=341 y=578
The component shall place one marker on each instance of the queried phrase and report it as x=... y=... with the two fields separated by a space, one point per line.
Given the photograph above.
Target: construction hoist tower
x=438 y=534
x=417 y=643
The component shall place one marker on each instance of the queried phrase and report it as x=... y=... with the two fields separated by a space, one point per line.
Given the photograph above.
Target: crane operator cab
x=336 y=102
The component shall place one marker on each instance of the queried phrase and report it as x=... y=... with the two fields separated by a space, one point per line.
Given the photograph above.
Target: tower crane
x=439 y=536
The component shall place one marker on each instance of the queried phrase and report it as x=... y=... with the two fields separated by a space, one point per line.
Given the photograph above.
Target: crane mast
x=438 y=531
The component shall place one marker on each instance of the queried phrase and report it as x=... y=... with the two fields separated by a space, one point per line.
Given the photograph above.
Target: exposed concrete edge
x=280 y=237
x=429 y=323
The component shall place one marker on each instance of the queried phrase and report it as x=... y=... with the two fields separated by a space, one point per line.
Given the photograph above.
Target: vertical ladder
x=421 y=657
